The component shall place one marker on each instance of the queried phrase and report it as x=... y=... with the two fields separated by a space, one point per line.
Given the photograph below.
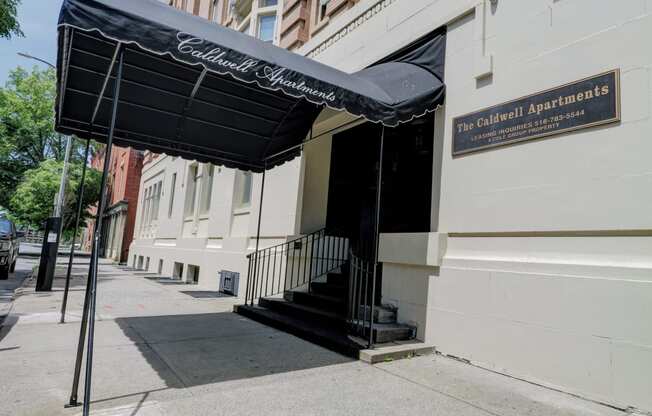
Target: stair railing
x=362 y=287
x=294 y=264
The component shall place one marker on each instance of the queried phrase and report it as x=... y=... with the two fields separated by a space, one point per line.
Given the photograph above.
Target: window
x=193 y=274
x=243 y=184
x=216 y=11
x=151 y=202
x=172 y=186
x=268 y=3
x=156 y=200
x=322 y=9
x=191 y=191
x=143 y=214
x=207 y=189
x=5 y=227
x=266 y=26
x=177 y=270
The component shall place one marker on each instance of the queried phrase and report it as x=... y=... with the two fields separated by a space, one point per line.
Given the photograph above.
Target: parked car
x=9 y=247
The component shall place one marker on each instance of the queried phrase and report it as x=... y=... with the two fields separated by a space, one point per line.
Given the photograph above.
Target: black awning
x=195 y=89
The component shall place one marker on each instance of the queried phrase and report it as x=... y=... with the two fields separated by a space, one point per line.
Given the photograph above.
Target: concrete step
x=384 y=333
x=382 y=314
x=329 y=289
x=338 y=279
x=308 y=313
x=396 y=351
x=330 y=303
x=335 y=339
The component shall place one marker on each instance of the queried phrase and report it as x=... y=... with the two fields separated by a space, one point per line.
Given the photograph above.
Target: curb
x=14 y=295
x=60 y=254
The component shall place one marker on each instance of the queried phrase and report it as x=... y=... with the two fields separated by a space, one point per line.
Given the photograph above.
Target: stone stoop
x=396 y=351
x=319 y=316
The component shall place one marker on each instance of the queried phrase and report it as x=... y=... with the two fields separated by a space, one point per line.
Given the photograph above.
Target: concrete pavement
x=164 y=348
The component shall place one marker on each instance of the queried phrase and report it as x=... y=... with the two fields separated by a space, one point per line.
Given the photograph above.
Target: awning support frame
x=92 y=274
x=80 y=202
x=97 y=237
x=182 y=121
x=260 y=216
x=379 y=187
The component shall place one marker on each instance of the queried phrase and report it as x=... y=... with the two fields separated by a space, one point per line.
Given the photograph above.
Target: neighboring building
x=122 y=196
x=533 y=259
x=287 y=23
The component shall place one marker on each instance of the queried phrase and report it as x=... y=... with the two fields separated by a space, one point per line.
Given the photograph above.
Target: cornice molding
x=363 y=17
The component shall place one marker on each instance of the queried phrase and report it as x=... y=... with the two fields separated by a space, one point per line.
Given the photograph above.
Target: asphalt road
x=9 y=286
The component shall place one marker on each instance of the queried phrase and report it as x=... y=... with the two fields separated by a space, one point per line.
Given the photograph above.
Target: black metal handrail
x=293 y=264
x=361 y=298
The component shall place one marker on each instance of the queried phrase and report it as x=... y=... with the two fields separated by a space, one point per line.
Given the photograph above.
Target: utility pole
x=54 y=224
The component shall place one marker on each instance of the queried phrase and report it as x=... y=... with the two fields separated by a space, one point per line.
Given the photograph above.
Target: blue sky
x=38 y=20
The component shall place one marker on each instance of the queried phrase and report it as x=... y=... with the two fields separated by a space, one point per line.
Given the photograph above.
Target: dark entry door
x=407 y=182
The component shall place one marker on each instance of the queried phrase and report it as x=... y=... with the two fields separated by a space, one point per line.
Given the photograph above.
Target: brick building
x=120 y=217
x=300 y=20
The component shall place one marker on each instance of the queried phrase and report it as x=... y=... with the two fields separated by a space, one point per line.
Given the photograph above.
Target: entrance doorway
x=407 y=182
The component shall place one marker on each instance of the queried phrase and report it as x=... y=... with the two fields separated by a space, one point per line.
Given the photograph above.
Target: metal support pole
x=74 y=236
x=58 y=208
x=260 y=216
x=97 y=235
x=73 y=402
x=377 y=235
x=84 y=322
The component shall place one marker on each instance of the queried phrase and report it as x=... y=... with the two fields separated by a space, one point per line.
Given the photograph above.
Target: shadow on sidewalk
x=198 y=349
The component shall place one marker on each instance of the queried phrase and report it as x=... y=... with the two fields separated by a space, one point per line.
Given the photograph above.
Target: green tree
x=33 y=201
x=27 y=135
x=8 y=23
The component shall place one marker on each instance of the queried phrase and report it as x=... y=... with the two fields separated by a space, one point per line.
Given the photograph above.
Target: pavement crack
x=427 y=387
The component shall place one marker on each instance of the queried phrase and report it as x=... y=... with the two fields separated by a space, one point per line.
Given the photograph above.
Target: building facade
x=197 y=220
x=532 y=259
x=122 y=196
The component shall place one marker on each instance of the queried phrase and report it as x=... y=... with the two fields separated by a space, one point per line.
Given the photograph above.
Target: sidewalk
x=163 y=348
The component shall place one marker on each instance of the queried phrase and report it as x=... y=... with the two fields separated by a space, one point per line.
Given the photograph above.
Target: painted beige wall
x=593 y=179
x=221 y=239
x=544 y=304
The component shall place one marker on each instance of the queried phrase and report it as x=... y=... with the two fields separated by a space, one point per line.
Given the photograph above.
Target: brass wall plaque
x=585 y=103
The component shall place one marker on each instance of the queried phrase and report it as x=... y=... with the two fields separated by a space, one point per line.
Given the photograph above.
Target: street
x=164 y=348
x=8 y=287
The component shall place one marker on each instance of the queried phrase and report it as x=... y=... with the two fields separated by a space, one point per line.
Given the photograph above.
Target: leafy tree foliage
x=27 y=135
x=8 y=23
x=34 y=198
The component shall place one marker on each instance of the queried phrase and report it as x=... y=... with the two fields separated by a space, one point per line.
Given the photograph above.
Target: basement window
x=193 y=274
